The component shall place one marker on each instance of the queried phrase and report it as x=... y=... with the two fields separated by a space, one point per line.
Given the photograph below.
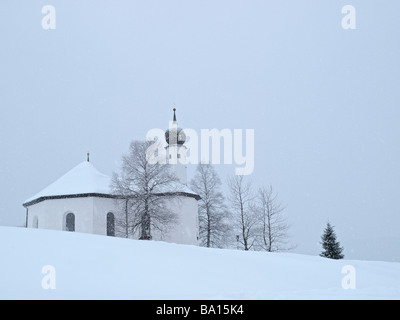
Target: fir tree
x=331 y=246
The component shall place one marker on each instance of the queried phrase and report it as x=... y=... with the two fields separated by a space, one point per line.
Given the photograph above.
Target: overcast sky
x=323 y=101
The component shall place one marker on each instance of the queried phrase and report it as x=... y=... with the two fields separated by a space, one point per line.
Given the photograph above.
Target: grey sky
x=323 y=101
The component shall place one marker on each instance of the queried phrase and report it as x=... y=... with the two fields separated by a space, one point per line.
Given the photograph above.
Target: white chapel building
x=82 y=201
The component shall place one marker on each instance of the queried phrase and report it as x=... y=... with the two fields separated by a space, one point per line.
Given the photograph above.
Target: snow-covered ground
x=84 y=266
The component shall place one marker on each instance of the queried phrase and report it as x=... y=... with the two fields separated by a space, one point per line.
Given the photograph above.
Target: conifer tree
x=331 y=246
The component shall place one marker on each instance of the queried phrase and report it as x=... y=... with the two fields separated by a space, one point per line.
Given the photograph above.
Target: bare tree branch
x=213 y=214
x=245 y=218
x=143 y=190
x=273 y=225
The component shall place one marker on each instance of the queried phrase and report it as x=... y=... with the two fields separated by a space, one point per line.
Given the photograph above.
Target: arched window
x=35 y=223
x=70 y=222
x=110 y=224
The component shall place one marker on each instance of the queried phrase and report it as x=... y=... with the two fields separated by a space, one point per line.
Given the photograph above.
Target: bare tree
x=124 y=222
x=245 y=218
x=272 y=222
x=213 y=214
x=143 y=187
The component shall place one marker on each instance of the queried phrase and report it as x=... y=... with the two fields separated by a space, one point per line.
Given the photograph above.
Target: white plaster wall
x=186 y=231
x=178 y=165
x=51 y=214
x=91 y=217
x=102 y=206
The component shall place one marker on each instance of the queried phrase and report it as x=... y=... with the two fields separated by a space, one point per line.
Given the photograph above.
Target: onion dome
x=175 y=135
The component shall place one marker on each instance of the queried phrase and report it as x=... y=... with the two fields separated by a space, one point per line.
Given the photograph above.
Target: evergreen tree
x=331 y=246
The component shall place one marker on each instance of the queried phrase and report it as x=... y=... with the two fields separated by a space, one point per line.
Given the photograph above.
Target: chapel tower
x=176 y=150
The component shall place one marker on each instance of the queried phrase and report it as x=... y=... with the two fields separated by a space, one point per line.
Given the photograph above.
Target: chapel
x=81 y=200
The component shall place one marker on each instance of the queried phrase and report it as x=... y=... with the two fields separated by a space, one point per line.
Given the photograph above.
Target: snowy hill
x=98 y=267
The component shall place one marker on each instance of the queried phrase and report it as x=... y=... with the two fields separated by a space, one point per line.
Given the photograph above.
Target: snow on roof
x=175 y=187
x=86 y=179
x=83 y=179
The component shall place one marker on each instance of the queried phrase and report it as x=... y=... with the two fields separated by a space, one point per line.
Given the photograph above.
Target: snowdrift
x=84 y=266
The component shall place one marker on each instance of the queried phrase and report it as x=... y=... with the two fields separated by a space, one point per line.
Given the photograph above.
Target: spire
x=88 y=155
x=174 y=114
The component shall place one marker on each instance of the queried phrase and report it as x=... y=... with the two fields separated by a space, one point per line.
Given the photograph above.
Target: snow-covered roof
x=83 y=179
x=86 y=180
x=177 y=187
